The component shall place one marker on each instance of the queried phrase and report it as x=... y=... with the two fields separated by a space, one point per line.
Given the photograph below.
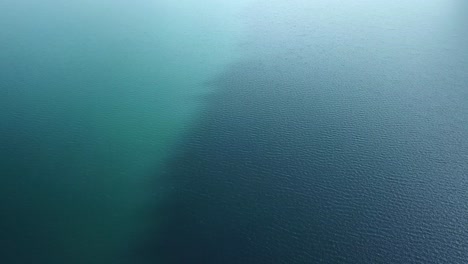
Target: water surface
x=93 y=97
x=234 y=132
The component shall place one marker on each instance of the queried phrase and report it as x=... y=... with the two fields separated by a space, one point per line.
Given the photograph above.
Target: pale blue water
x=234 y=132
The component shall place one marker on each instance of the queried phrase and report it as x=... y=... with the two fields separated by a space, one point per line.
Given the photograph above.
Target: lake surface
x=234 y=131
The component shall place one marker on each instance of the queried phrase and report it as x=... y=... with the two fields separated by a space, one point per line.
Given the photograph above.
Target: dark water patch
x=342 y=139
x=288 y=167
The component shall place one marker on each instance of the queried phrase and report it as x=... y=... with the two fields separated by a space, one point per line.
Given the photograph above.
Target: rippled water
x=234 y=132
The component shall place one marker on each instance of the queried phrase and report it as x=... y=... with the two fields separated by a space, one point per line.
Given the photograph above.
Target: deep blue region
x=285 y=168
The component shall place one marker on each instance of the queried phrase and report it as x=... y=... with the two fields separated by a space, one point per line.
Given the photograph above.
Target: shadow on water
x=341 y=140
x=296 y=166
x=306 y=157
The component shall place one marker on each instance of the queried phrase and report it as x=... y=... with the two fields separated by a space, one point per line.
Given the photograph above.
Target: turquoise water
x=94 y=94
x=253 y=131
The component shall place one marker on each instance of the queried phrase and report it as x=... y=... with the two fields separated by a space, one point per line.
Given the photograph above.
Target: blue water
x=248 y=132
